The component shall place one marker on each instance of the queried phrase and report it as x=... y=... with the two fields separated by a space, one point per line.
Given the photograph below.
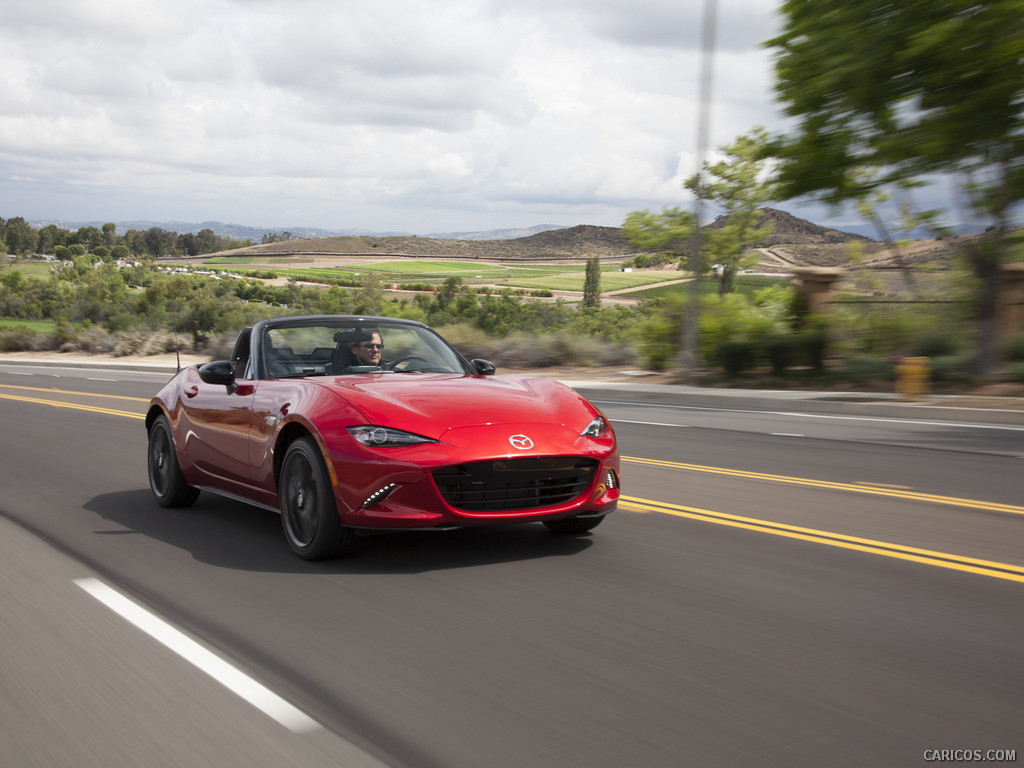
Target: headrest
x=353 y=336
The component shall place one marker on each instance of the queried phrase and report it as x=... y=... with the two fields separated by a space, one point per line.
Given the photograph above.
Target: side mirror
x=218 y=372
x=482 y=367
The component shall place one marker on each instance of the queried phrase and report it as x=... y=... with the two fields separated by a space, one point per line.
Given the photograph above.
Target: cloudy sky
x=391 y=115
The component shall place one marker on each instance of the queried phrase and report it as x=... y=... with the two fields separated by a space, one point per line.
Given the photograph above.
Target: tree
x=592 y=283
x=19 y=236
x=207 y=241
x=50 y=237
x=913 y=89
x=741 y=185
x=668 y=232
x=187 y=244
x=90 y=237
x=158 y=241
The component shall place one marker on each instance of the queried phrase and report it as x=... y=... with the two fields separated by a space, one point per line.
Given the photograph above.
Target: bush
x=868 y=368
x=17 y=338
x=815 y=347
x=737 y=357
x=1015 y=349
x=1017 y=372
x=948 y=368
x=781 y=353
x=932 y=345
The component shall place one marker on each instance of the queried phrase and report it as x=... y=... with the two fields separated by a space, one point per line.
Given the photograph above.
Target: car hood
x=432 y=404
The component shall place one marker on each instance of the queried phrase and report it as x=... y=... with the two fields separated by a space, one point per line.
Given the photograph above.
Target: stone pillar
x=815 y=284
x=1010 y=304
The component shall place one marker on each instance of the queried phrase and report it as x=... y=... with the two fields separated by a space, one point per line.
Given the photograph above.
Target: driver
x=367 y=351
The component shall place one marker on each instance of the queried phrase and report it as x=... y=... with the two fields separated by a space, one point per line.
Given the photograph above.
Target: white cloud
x=419 y=115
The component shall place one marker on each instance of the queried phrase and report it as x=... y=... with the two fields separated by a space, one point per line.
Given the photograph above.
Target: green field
x=39 y=326
x=746 y=284
x=419 y=267
x=229 y=260
x=33 y=268
x=573 y=281
x=551 y=277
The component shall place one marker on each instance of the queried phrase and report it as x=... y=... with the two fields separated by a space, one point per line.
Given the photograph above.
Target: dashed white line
x=224 y=673
x=648 y=423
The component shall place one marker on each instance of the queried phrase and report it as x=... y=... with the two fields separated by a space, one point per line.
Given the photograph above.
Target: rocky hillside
x=571 y=243
x=791 y=230
x=795 y=242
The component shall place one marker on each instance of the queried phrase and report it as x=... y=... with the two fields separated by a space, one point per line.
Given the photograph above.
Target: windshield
x=335 y=349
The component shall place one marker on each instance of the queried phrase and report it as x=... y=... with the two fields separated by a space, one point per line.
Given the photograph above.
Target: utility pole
x=688 y=347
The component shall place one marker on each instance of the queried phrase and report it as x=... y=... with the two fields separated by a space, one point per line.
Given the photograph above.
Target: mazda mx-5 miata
x=347 y=425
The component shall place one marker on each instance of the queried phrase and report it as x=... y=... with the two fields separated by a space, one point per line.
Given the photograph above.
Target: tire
x=309 y=514
x=573 y=524
x=165 y=478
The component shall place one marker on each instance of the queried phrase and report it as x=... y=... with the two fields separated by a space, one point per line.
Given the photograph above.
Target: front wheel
x=573 y=524
x=309 y=514
x=165 y=478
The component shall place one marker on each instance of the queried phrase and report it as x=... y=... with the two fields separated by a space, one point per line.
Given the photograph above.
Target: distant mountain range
x=255 y=234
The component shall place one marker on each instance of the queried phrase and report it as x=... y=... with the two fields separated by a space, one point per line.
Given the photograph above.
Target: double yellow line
x=874 y=490
x=924 y=556
x=75 y=406
x=898 y=551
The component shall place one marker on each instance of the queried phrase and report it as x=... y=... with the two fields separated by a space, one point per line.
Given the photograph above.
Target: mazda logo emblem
x=521 y=442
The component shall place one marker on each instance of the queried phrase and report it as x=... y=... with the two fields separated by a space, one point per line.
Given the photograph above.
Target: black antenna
x=177 y=351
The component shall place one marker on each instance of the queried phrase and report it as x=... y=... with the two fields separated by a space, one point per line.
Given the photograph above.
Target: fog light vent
x=380 y=495
x=611 y=480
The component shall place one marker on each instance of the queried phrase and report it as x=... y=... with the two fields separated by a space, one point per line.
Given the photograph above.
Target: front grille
x=511 y=484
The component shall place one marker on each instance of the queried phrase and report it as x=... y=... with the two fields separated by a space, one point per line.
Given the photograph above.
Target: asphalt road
x=798 y=584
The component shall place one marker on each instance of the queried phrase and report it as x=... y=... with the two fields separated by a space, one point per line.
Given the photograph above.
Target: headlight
x=385 y=437
x=597 y=428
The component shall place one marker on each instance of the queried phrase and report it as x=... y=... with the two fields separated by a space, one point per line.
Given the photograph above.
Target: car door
x=218 y=420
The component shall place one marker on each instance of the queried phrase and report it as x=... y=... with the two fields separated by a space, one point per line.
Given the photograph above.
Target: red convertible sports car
x=347 y=424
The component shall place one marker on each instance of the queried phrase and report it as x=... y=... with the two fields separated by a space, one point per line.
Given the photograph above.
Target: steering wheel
x=393 y=365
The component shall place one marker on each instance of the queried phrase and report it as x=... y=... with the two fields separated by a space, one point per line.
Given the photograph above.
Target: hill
x=794 y=242
x=567 y=243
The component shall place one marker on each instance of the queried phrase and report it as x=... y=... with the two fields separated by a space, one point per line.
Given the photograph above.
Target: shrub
x=814 y=344
x=932 y=345
x=17 y=338
x=737 y=357
x=947 y=368
x=781 y=352
x=1015 y=349
x=868 y=367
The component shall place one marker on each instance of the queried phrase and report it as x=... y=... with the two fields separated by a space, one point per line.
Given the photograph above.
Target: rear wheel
x=573 y=524
x=165 y=478
x=309 y=514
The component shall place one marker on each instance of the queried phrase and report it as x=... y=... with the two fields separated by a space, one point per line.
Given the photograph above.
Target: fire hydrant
x=913 y=375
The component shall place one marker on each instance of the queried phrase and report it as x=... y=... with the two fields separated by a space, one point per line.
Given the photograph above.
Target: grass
x=554 y=277
x=746 y=284
x=417 y=266
x=610 y=281
x=38 y=326
x=33 y=268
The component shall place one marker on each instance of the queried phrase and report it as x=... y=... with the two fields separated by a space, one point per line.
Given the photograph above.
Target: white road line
x=824 y=416
x=648 y=423
x=224 y=673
